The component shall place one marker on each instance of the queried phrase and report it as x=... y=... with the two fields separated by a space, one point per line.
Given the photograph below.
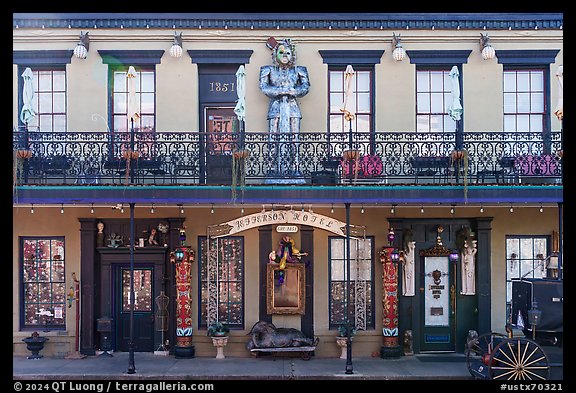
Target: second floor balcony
x=255 y=158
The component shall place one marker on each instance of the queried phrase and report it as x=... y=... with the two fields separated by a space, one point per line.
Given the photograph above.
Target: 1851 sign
x=217 y=88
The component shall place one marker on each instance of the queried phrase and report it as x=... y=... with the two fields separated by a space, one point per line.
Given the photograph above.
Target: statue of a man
x=408 y=270
x=468 y=271
x=283 y=82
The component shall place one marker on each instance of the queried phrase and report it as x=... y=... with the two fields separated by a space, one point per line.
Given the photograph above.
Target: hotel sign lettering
x=279 y=217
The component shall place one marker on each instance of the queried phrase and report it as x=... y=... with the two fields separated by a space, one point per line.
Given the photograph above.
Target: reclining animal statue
x=266 y=335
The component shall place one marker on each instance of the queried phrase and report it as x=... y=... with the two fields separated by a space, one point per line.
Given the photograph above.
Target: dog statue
x=266 y=335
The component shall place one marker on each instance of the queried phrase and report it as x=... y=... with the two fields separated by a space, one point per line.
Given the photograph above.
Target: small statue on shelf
x=152 y=241
x=115 y=240
x=100 y=235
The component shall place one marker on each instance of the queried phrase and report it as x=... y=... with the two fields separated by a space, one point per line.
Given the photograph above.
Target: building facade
x=444 y=185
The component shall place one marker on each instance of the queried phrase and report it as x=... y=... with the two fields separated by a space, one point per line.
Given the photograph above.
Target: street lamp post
x=131 y=366
x=349 y=367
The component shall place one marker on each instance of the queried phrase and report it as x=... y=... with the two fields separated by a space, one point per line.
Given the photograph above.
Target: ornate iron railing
x=308 y=157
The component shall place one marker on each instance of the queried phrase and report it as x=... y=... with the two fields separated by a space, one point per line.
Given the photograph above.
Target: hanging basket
x=23 y=154
x=238 y=154
x=351 y=155
x=457 y=155
x=129 y=154
x=560 y=154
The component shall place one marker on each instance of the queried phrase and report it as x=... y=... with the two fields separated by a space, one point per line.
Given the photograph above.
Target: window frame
x=446 y=96
x=22 y=291
x=370 y=322
x=535 y=261
x=202 y=323
x=545 y=97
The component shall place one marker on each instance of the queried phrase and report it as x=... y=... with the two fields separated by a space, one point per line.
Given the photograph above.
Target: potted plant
x=342 y=339
x=217 y=329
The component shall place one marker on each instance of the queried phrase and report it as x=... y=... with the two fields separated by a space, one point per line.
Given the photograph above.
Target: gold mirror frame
x=287 y=298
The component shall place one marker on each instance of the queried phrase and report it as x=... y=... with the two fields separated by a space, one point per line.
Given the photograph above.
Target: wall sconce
x=83 y=46
x=399 y=53
x=391 y=236
x=176 y=49
x=487 y=51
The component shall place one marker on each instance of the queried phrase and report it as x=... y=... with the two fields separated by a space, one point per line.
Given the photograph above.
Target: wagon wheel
x=519 y=359
x=478 y=353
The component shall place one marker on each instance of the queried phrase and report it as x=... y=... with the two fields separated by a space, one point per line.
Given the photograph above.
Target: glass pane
x=437 y=102
x=337 y=272
x=336 y=102
x=58 y=292
x=147 y=81
x=44 y=102
x=509 y=123
x=59 y=80
x=540 y=246
x=447 y=102
x=60 y=102
x=120 y=102
x=523 y=80
x=526 y=250
x=120 y=123
x=142 y=290
x=509 y=82
x=527 y=268
x=537 y=104
x=363 y=80
x=363 y=103
x=30 y=317
x=523 y=123
x=120 y=82
x=508 y=292
x=449 y=123
x=45 y=122
x=536 y=123
x=31 y=294
x=423 y=103
x=58 y=271
x=336 y=80
x=509 y=102
x=44 y=292
x=44 y=81
x=422 y=123
x=437 y=81
x=513 y=247
x=537 y=81
x=437 y=291
x=436 y=123
x=43 y=271
x=523 y=102
x=363 y=123
x=337 y=248
x=29 y=271
x=422 y=82
x=513 y=270
x=147 y=103
x=59 y=123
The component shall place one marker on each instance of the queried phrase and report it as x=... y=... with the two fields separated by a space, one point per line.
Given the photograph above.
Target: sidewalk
x=154 y=367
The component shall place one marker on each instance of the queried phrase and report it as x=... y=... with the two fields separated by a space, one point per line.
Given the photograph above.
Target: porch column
x=391 y=347
x=484 y=229
x=87 y=251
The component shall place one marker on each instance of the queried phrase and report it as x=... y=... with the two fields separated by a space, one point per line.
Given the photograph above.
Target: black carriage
x=537 y=311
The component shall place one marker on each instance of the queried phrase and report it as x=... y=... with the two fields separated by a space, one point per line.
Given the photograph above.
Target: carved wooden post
x=391 y=346
x=183 y=257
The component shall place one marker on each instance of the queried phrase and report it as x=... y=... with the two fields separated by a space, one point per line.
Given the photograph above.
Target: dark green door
x=438 y=307
x=143 y=328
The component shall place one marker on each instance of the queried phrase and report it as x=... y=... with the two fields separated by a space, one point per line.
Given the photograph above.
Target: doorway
x=143 y=328
x=438 y=304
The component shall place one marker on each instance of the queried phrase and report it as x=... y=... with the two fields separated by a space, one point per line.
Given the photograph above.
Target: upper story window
x=359 y=103
x=43 y=283
x=433 y=99
x=50 y=96
x=524 y=100
x=49 y=81
x=143 y=91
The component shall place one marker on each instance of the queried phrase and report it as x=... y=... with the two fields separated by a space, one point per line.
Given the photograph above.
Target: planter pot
x=220 y=342
x=343 y=344
x=35 y=344
x=351 y=155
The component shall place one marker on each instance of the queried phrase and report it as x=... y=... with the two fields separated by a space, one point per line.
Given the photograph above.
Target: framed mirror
x=285 y=289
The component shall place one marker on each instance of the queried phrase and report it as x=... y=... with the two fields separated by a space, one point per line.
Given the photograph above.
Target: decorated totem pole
x=183 y=257
x=389 y=258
